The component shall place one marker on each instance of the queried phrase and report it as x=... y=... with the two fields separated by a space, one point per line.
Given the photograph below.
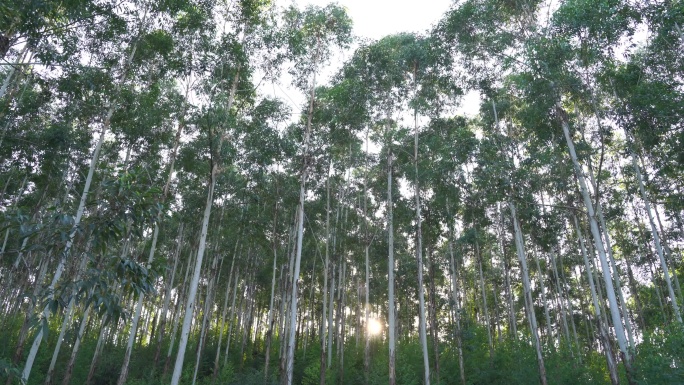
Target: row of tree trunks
x=599 y=244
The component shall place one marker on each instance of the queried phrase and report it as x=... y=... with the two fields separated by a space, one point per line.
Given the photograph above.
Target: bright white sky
x=375 y=19
x=378 y=18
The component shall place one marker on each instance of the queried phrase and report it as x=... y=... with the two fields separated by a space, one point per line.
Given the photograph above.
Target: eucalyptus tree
x=44 y=33
x=558 y=80
x=124 y=61
x=215 y=120
x=500 y=169
x=311 y=35
x=341 y=115
x=165 y=53
x=645 y=136
x=545 y=69
x=448 y=146
x=156 y=99
x=262 y=147
x=374 y=72
x=400 y=71
x=479 y=35
x=32 y=23
x=49 y=157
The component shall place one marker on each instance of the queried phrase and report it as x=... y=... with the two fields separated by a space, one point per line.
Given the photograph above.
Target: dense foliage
x=165 y=218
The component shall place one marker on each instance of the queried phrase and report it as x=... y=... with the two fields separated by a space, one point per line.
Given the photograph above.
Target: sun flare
x=374 y=327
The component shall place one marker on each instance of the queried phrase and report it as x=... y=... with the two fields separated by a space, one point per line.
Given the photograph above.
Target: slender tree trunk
x=66 y=380
x=390 y=268
x=483 y=292
x=366 y=350
x=570 y=308
x=656 y=285
x=208 y=305
x=167 y=298
x=434 y=326
x=287 y=296
x=300 y=235
x=153 y=325
x=338 y=312
x=309 y=325
x=497 y=324
x=656 y=240
x=419 y=260
x=519 y=245
x=325 y=329
x=68 y=312
x=600 y=247
x=269 y=325
x=176 y=320
x=223 y=321
x=635 y=293
x=249 y=317
x=668 y=254
x=98 y=350
x=603 y=332
x=457 y=309
x=295 y=277
x=616 y=277
x=223 y=314
x=542 y=286
x=192 y=293
x=561 y=295
x=4 y=242
x=332 y=326
x=230 y=318
x=342 y=318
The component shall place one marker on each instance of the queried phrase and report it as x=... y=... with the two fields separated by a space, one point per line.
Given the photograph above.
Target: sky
x=375 y=19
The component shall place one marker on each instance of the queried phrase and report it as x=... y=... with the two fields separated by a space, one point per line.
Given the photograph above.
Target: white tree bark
x=270 y=322
x=419 y=260
x=457 y=309
x=483 y=292
x=325 y=329
x=74 y=351
x=603 y=332
x=656 y=240
x=542 y=286
x=26 y=372
x=230 y=318
x=98 y=350
x=167 y=295
x=532 y=318
x=208 y=304
x=192 y=293
x=390 y=268
x=300 y=235
x=598 y=240
x=366 y=350
x=155 y=236
x=194 y=283
x=223 y=315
